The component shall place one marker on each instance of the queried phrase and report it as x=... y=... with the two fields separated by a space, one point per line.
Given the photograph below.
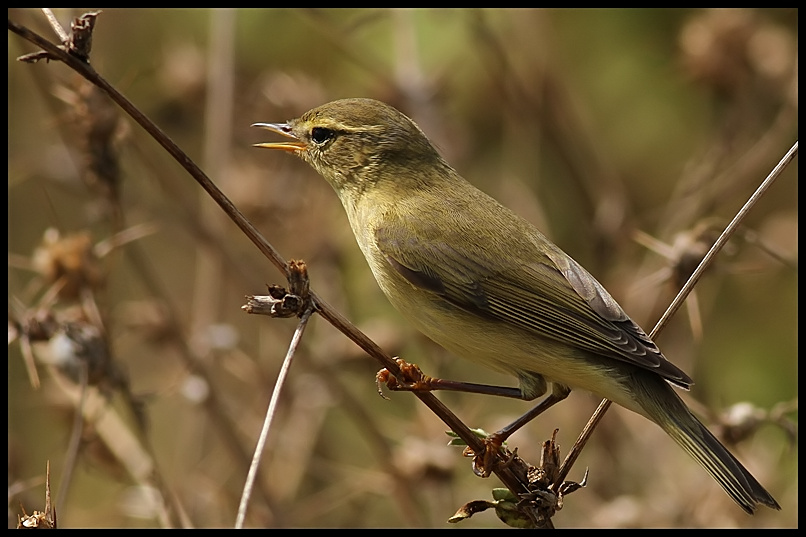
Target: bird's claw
x=484 y=462
x=411 y=378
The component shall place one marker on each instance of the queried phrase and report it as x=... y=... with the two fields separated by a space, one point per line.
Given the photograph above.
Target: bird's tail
x=667 y=409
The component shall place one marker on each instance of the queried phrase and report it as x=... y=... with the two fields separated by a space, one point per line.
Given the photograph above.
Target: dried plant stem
x=504 y=472
x=723 y=239
x=678 y=301
x=75 y=439
x=270 y=413
x=328 y=312
x=126 y=446
x=56 y=25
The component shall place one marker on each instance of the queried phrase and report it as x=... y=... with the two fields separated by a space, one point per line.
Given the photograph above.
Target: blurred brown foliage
x=598 y=125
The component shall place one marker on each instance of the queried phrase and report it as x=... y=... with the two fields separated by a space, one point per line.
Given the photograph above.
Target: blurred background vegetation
x=612 y=130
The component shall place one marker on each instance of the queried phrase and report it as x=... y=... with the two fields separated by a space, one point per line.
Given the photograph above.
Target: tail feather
x=737 y=481
x=663 y=406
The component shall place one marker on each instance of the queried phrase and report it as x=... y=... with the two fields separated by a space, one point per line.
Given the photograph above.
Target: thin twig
x=56 y=25
x=323 y=308
x=600 y=411
x=87 y=71
x=212 y=402
x=723 y=239
x=75 y=438
x=270 y=413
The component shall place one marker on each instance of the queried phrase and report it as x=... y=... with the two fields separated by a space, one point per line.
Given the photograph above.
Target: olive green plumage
x=486 y=284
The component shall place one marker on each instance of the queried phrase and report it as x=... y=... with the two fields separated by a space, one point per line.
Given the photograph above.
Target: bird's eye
x=321 y=135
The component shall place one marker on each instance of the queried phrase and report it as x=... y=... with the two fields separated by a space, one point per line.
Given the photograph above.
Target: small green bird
x=486 y=285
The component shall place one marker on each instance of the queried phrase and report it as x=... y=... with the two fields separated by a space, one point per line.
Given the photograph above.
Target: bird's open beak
x=285 y=130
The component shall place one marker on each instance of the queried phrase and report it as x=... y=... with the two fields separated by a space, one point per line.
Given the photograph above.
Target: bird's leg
x=558 y=393
x=482 y=462
x=414 y=380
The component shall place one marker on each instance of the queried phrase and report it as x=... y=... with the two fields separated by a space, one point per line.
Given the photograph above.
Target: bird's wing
x=549 y=294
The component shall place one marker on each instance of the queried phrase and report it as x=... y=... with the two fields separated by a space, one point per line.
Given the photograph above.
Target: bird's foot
x=484 y=462
x=411 y=379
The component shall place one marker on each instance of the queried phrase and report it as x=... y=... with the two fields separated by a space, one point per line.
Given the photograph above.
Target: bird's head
x=355 y=143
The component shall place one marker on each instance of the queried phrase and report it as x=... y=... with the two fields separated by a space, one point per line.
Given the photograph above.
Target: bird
x=488 y=286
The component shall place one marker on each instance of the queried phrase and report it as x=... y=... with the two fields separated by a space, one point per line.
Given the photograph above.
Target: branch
x=505 y=472
x=709 y=257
